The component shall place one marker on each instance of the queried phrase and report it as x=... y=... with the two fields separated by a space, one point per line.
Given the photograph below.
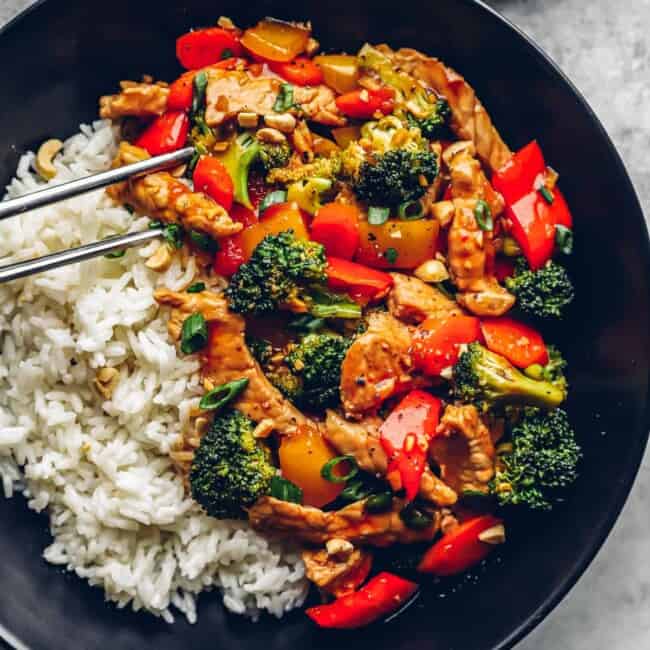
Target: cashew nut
x=272 y=136
x=105 y=381
x=340 y=547
x=161 y=260
x=247 y=120
x=432 y=271
x=46 y=153
x=494 y=535
x=284 y=122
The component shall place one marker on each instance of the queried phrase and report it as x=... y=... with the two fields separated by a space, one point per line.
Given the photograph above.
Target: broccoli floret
x=309 y=193
x=231 y=469
x=328 y=168
x=272 y=156
x=243 y=151
x=395 y=177
x=553 y=371
x=261 y=349
x=487 y=379
x=541 y=459
x=434 y=122
x=317 y=360
x=543 y=293
x=287 y=273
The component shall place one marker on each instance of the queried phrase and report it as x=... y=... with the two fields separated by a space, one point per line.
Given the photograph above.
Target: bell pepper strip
x=275 y=40
x=361 y=283
x=349 y=582
x=560 y=209
x=203 y=47
x=230 y=255
x=460 y=549
x=340 y=71
x=518 y=176
x=364 y=104
x=181 y=91
x=517 y=342
x=336 y=226
x=382 y=595
x=436 y=343
x=405 y=436
x=300 y=72
x=212 y=178
x=165 y=134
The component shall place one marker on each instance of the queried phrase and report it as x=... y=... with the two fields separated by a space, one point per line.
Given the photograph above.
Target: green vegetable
x=307 y=323
x=541 y=460
x=285 y=490
x=411 y=211
x=564 y=239
x=553 y=371
x=199 y=86
x=231 y=469
x=309 y=193
x=277 y=196
x=226 y=54
x=485 y=379
x=287 y=273
x=172 y=233
x=194 y=334
x=356 y=491
x=544 y=293
x=328 y=468
x=261 y=349
x=415 y=518
x=391 y=254
x=436 y=113
x=284 y=100
x=243 y=151
x=546 y=193
x=115 y=255
x=218 y=397
x=378 y=215
x=483 y=215
x=197 y=287
x=394 y=177
x=381 y=502
x=274 y=156
x=203 y=241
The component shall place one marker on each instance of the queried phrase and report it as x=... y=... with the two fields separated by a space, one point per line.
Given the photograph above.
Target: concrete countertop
x=604 y=47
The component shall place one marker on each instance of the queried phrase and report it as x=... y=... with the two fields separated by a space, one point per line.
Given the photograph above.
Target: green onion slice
x=378 y=215
x=203 y=241
x=194 y=334
x=200 y=85
x=197 y=287
x=483 y=215
x=327 y=470
x=173 y=235
x=415 y=518
x=285 y=490
x=277 y=196
x=284 y=100
x=546 y=193
x=411 y=210
x=115 y=254
x=218 y=397
x=355 y=491
x=564 y=239
x=379 y=502
x=391 y=255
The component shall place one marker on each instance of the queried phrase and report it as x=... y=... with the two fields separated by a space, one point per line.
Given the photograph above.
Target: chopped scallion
x=378 y=215
x=483 y=215
x=285 y=490
x=197 y=287
x=218 y=397
x=194 y=334
x=328 y=468
x=277 y=196
x=564 y=239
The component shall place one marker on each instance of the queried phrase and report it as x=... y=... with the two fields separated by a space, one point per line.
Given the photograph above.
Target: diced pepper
x=460 y=549
x=202 y=47
x=518 y=176
x=211 y=177
x=359 y=282
x=165 y=134
x=275 y=40
x=410 y=242
x=363 y=104
x=340 y=71
x=435 y=344
x=381 y=596
x=336 y=226
x=405 y=437
x=181 y=91
x=300 y=72
x=519 y=343
x=229 y=257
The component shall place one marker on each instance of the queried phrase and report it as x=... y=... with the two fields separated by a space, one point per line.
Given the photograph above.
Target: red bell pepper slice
x=517 y=177
x=165 y=134
x=301 y=71
x=230 y=255
x=460 y=549
x=363 y=104
x=360 y=282
x=435 y=344
x=519 y=343
x=336 y=226
x=203 y=47
x=405 y=436
x=211 y=177
x=381 y=596
x=181 y=91
x=560 y=209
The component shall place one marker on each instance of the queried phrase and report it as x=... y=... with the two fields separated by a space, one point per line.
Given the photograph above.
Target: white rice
x=119 y=516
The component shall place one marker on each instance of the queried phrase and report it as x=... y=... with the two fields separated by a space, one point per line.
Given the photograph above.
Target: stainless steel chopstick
x=55 y=193
x=72 y=255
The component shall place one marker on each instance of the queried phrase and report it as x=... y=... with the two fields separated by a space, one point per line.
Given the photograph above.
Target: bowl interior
x=57 y=60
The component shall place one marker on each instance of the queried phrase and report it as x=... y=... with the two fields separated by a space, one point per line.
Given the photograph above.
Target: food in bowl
x=337 y=347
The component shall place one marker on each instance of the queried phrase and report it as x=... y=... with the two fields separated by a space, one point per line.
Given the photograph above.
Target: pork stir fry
x=374 y=269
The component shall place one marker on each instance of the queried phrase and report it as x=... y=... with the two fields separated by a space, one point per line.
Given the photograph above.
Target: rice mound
x=119 y=516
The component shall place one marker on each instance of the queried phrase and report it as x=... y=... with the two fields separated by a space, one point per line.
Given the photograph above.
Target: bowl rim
x=600 y=534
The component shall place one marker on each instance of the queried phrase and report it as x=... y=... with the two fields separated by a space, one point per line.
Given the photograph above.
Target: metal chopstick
x=79 y=254
x=56 y=193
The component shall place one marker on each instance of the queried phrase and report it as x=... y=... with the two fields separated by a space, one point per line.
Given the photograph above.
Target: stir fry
x=376 y=268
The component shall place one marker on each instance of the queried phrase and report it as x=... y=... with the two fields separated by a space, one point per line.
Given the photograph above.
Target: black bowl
x=60 y=56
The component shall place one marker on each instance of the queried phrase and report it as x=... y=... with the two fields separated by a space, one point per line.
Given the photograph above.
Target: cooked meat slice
x=469 y=249
x=293 y=521
x=135 y=99
x=227 y=358
x=318 y=104
x=376 y=366
x=470 y=120
x=161 y=196
x=361 y=440
x=329 y=571
x=358 y=439
x=468 y=181
x=413 y=301
x=465 y=453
